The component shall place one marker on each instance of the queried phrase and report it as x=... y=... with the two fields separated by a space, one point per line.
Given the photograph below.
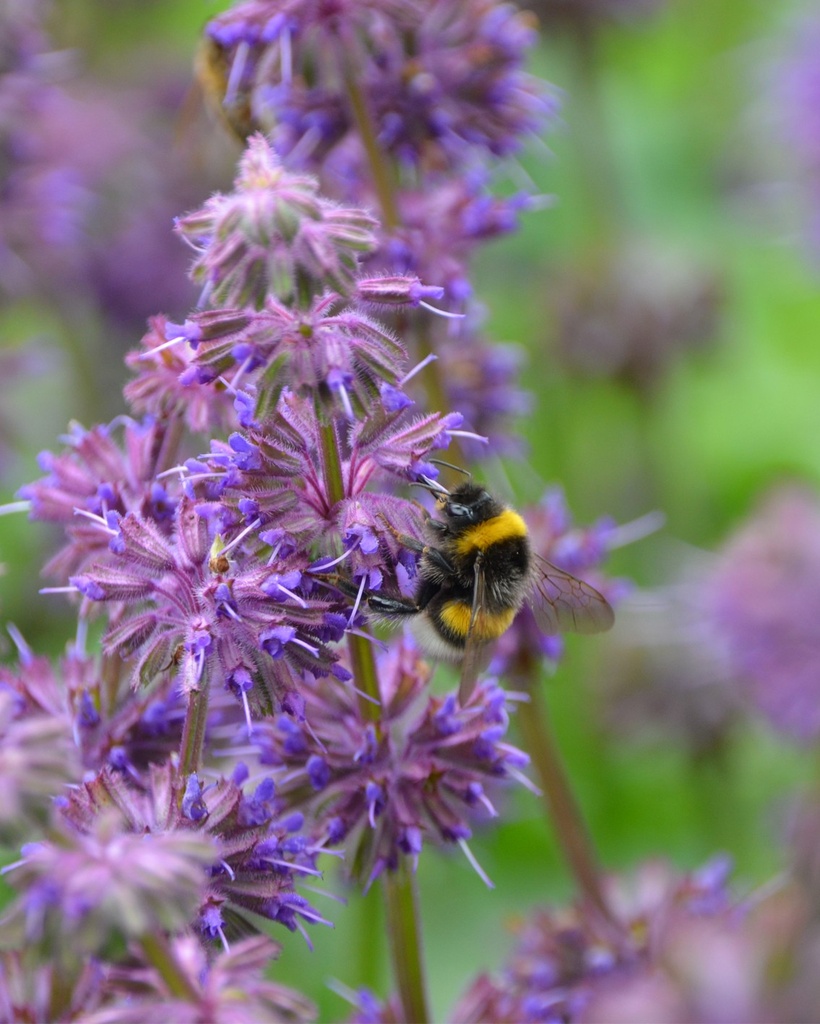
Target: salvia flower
x=274 y=235
x=275 y=472
x=761 y=600
x=440 y=81
x=384 y=789
x=256 y=849
x=95 y=476
x=202 y=616
x=329 y=349
x=162 y=388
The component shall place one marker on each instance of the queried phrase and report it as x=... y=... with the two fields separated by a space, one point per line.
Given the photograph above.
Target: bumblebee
x=474 y=577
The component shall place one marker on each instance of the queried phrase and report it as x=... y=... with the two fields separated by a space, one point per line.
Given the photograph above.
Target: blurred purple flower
x=762 y=600
x=564 y=967
x=257 y=848
x=439 y=81
x=89 y=888
x=795 y=96
x=230 y=988
x=631 y=315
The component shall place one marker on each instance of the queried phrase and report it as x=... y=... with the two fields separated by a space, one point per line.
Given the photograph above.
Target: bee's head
x=467 y=505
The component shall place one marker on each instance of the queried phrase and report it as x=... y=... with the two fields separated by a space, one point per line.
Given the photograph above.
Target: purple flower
x=56 y=990
x=418 y=775
x=162 y=388
x=338 y=353
x=274 y=235
x=186 y=614
x=94 y=477
x=37 y=759
x=281 y=464
x=795 y=94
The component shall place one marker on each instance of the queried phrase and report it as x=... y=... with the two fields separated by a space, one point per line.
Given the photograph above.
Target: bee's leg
x=406 y=541
x=437 y=557
x=383 y=605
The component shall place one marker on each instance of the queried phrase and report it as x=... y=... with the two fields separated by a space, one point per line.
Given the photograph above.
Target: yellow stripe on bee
x=483 y=535
x=488 y=625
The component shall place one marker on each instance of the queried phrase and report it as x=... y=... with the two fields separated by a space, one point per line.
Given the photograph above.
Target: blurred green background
x=664 y=142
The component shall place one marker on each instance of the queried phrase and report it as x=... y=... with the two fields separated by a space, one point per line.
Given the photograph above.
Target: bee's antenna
x=449 y=465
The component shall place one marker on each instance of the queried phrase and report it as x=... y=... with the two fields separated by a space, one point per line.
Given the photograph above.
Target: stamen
x=24 y=651
x=58 y=590
x=286 y=56
x=469 y=435
x=348 y=408
x=483 y=798
x=229 y=869
x=357 y=602
x=97 y=520
x=324 y=566
x=241 y=536
x=81 y=636
x=221 y=934
x=519 y=776
x=637 y=529
x=303 y=933
x=442 y=312
x=468 y=853
x=418 y=368
x=303 y=643
x=247 y=708
x=149 y=353
x=205 y=295
x=237 y=70
x=181 y=470
x=14 y=506
x=293 y=867
x=323 y=892
x=290 y=593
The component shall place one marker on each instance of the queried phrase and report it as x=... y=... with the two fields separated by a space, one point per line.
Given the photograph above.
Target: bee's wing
x=563 y=603
x=474 y=650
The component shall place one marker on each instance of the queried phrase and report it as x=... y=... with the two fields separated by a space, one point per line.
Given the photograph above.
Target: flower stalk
x=562 y=808
x=404 y=931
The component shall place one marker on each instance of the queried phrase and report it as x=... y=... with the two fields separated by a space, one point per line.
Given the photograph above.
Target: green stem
x=159 y=953
x=332 y=464
x=193 y=732
x=379 y=167
x=404 y=930
x=361 y=653
x=166 y=454
x=562 y=808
